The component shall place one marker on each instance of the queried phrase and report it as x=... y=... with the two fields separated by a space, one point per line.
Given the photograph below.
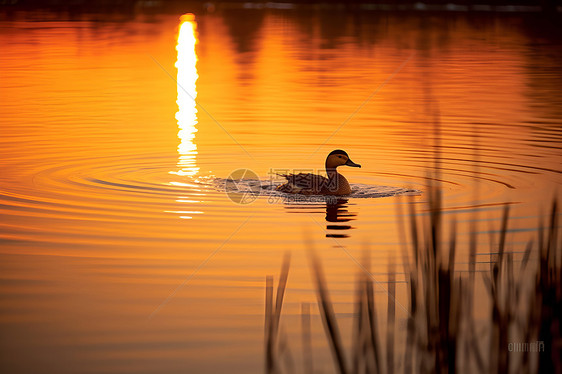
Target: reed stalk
x=441 y=332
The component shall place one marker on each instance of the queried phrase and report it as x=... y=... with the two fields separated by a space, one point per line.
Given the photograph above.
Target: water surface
x=121 y=252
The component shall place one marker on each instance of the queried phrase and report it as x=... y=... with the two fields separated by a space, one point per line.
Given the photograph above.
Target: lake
x=125 y=251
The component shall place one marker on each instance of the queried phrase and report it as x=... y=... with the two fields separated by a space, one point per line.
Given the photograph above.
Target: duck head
x=338 y=158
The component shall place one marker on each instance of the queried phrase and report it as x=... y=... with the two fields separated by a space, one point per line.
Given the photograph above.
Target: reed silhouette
x=442 y=334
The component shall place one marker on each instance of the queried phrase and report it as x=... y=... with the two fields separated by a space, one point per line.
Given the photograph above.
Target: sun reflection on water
x=187 y=92
x=187 y=110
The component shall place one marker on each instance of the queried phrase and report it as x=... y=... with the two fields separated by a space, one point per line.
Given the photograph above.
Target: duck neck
x=332 y=172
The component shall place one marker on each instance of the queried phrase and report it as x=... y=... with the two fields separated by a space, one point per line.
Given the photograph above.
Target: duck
x=314 y=184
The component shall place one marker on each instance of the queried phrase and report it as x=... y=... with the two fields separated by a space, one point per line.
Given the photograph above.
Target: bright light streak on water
x=187 y=95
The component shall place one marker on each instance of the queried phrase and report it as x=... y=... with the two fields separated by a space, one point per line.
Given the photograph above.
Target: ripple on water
x=268 y=189
x=142 y=191
x=108 y=200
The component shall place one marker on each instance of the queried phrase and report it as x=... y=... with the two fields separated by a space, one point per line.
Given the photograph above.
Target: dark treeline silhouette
x=166 y=6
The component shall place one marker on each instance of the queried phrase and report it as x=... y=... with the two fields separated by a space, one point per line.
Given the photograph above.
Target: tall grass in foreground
x=522 y=328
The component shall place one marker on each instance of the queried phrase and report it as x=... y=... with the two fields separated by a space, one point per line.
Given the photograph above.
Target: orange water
x=120 y=250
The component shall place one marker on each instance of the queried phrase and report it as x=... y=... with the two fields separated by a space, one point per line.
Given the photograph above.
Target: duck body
x=314 y=184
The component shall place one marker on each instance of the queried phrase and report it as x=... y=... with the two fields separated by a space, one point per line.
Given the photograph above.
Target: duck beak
x=352 y=164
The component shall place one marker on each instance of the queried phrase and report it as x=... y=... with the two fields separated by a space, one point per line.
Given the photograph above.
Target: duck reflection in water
x=337 y=215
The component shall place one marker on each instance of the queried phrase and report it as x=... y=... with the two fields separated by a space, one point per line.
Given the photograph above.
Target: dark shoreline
x=170 y=6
